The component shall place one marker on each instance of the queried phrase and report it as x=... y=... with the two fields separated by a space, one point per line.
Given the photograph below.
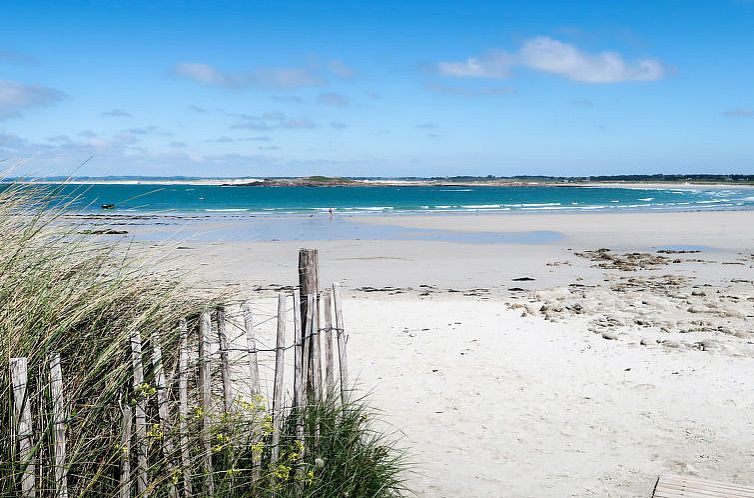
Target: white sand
x=491 y=403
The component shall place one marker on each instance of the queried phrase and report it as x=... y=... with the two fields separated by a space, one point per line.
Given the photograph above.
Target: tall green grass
x=82 y=297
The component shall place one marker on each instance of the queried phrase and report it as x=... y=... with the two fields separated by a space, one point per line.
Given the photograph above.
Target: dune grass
x=82 y=297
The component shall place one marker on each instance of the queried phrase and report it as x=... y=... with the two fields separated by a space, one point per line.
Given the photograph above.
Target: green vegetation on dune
x=61 y=292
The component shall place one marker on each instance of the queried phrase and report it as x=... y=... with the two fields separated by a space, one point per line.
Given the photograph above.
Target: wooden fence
x=186 y=416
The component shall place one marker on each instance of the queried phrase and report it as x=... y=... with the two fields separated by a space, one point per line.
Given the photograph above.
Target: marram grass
x=81 y=297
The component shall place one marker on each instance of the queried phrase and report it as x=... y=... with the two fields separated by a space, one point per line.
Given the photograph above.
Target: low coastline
x=388 y=182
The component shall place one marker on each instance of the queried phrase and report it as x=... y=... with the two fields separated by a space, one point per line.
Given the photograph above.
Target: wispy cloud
x=229 y=140
x=338 y=125
x=338 y=68
x=469 y=92
x=145 y=130
x=197 y=109
x=274 y=120
x=427 y=126
x=495 y=64
x=289 y=99
x=17 y=97
x=16 y=57
x=60 y=139
x=582 y=102
x=552 y=56
x=117 y=113
x=205 y=74
x=739 y=112
x=333 y=99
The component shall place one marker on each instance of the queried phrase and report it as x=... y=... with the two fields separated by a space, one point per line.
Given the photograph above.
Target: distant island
x=464 y=180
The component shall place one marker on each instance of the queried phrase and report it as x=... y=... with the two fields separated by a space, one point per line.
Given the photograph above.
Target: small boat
x=108 y=206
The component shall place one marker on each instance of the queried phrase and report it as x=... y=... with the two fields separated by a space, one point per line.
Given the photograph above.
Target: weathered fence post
x=277 y=390
x=141 y=417
x=205 y=329
x=183 y=409
x=307 y=351
x=327 y=330
x=222 y=336
x=58 y=430
x=125 y=452
x=163 y=412
x=251 y=347
x=251 y=344
x=342 y=342
x=299 y=381
x=316 y=353
x=299 y=388
x=22 y=422
x=308 y=276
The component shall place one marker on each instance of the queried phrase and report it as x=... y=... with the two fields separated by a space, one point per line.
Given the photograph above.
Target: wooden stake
x=22 y=421
x=306 y=347
x=251 y=345
x=342 y=341
x=307 y=351
x=308 y=276
x=142 y=445
x=299 y=389
x=316 y=355
x=205 y=329
x=327 y=332
x=298 y=359
x=163 y=412
x=222 y=336
x=58 y=430
x=183 y=409
x=277 y=396
x=125 y=453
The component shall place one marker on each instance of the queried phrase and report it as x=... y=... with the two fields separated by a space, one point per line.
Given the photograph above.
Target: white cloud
x=17 y=97
x=555 y=57
x=493 y=65
x=205 y=74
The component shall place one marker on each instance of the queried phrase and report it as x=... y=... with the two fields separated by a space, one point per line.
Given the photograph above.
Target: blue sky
x=377 y=89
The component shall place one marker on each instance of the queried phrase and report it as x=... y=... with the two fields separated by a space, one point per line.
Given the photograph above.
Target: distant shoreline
x=392 y=182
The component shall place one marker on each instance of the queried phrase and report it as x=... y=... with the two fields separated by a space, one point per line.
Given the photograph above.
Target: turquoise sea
x=128 y=198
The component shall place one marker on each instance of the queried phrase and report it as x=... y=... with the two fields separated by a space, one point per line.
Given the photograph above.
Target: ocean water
x=384 y=199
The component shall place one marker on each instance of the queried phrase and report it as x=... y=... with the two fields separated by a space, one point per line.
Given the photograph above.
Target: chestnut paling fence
x=195 y=418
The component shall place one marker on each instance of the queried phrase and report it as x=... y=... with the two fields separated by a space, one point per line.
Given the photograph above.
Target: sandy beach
x=583 y=366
